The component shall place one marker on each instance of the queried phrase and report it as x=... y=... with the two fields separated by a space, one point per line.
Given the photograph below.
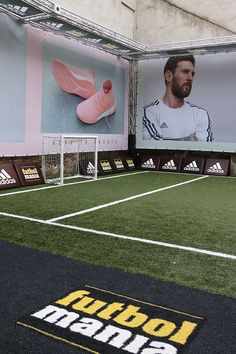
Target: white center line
x=124 y=200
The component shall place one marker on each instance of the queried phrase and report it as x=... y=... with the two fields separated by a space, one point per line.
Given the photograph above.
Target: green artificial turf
x=200 y=214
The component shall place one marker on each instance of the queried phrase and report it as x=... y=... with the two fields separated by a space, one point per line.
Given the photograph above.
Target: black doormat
x=54 y=305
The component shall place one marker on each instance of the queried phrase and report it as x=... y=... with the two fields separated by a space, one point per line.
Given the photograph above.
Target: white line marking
x=130 y=238
x=27 y=218
x=123 y=200
x=69 y=184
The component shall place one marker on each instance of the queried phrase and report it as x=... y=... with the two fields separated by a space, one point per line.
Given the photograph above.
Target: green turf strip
x=201 y=214
x=49 y=203
x=212 y=274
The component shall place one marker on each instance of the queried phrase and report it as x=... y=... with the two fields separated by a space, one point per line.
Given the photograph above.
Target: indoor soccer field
x=173 y=227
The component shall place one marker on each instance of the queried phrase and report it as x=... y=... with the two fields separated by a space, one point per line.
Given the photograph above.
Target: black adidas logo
x=164 y=125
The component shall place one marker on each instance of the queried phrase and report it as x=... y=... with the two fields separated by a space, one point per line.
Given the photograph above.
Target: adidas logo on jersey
x=149 y=164
x=15 y=8
x=170 y=165
x=192 y=166
x=90 y=168
x=5 y=178
x=216 y=168
x=164 y=125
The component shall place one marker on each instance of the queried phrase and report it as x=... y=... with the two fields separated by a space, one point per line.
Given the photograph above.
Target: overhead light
x=151 y=55
x=197 y=51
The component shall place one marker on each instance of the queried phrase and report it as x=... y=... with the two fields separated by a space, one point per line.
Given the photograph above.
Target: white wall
x=116 y=15
x=220 y=12
x=159 y=21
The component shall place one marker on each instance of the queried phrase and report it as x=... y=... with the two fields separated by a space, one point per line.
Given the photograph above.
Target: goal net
x=69 y=156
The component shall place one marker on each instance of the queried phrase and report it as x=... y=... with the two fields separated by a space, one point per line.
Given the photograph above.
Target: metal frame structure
x=133 y=86
x=48 y=16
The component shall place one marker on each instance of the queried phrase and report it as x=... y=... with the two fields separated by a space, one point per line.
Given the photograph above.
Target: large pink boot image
x=100 y=105
x=73 y=79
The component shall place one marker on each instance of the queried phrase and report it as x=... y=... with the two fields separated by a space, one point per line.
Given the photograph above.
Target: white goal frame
x=54 y=150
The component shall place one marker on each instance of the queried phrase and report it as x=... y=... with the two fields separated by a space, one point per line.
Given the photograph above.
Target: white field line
x=123 y=200
x=129 y=238
x=71 y=183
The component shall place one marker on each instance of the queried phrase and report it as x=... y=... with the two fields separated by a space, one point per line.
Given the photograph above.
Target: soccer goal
x=69 y=156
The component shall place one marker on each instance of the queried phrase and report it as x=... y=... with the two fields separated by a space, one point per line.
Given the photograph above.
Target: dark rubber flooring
x=30 y=280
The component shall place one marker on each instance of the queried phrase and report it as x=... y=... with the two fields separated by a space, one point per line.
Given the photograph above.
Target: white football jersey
x=188 y=122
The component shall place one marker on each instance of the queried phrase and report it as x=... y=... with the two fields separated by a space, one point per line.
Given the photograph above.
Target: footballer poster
x=187 y=104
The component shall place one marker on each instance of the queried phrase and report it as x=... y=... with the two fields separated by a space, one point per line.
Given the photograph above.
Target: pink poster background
x=31 y=142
